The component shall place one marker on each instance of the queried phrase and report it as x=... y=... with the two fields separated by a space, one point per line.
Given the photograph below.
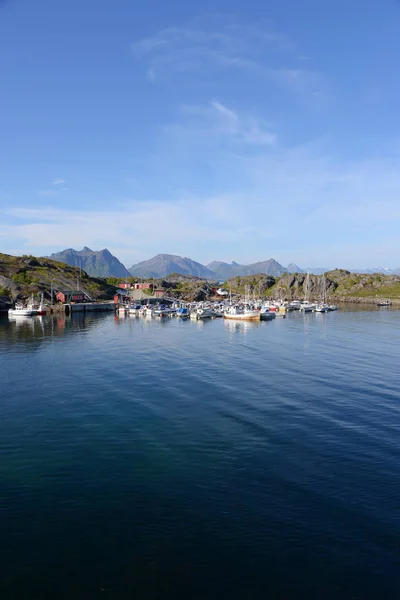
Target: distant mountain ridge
x=102 y=263
x=99 y=263
x=270 y=267
x=162 y=265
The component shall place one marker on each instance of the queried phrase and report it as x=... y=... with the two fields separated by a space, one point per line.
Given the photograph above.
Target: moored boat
x=22 y=311
x=242 y=314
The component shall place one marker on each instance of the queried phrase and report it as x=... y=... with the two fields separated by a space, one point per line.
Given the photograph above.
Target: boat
x=242 y=314
x=42 y=308
x=201 y=313
x=295 y=305
x=133 y=309
x=322 y=306
x=306 y=305
x=332 y=307
x=182 y=312
x=384 y=303
x=266 y=314
x=21 y=311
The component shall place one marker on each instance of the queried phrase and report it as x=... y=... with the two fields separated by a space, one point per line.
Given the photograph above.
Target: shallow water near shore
x=142 y=458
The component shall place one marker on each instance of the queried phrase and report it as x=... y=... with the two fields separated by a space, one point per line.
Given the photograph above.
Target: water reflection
x=35 y=329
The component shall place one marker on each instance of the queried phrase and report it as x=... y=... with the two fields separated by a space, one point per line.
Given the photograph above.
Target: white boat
x=295 y=305
x=133 y=309
x=321 y=307
x=333 y=307
x=201 y=313
x=266 y=314
x=22 y=311
x=222 y=292
x=307 y=306
x=242 y=314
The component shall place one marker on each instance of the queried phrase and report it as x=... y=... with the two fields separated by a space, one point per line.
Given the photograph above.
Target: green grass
x=385 y=291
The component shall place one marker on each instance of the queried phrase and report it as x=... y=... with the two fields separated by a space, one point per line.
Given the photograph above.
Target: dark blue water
x=147 y=459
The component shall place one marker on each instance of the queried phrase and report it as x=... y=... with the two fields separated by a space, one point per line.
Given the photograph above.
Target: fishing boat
x=242 y=314
x=42 y=308
x=21 y=311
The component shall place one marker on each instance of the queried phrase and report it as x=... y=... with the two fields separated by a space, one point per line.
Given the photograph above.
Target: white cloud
x=295 y=205
x=58 y=181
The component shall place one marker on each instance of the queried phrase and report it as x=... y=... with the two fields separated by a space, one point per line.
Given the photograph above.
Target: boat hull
x=25 y=312
x=243 y=317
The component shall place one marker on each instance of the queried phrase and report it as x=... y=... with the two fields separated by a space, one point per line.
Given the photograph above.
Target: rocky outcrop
x=337 y=285
x=24 y=276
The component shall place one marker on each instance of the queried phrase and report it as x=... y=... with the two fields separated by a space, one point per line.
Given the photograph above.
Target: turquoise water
x=148 y=459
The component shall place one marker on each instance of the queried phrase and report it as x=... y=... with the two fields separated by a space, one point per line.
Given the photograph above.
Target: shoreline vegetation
x=24 y=276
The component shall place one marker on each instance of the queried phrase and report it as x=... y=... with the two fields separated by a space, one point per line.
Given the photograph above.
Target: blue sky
x=223 y=130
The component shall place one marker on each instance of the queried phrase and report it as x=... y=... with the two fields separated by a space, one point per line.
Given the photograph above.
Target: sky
x=216 y=130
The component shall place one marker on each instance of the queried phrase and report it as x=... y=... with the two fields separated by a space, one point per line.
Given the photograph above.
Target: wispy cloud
x=58 y=187
x=209 y=43
x=218 y=121
x=210 y=46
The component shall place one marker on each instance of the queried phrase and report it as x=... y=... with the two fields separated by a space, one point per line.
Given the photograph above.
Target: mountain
x=371 y=271
x=96 y=264
x=165 y=264
x=226 y=270
x=293 y=268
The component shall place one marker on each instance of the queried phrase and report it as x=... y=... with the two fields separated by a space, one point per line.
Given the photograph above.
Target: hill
x=99 y=263
x=165 y=264
x=22 y=276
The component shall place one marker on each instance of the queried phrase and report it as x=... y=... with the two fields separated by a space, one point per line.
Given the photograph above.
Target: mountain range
x=103 y=264
x=165 y=264
x=99 y=263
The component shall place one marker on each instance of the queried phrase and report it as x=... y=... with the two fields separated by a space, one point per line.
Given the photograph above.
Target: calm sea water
x=148 y=459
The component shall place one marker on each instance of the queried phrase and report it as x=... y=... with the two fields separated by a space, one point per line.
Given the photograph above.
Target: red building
x=159 y=293
x=122 y=299
x=125 y=285
x=143 y=286
x=67 y=296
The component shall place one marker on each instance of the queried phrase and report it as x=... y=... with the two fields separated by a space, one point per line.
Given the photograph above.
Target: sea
x=167 y=459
